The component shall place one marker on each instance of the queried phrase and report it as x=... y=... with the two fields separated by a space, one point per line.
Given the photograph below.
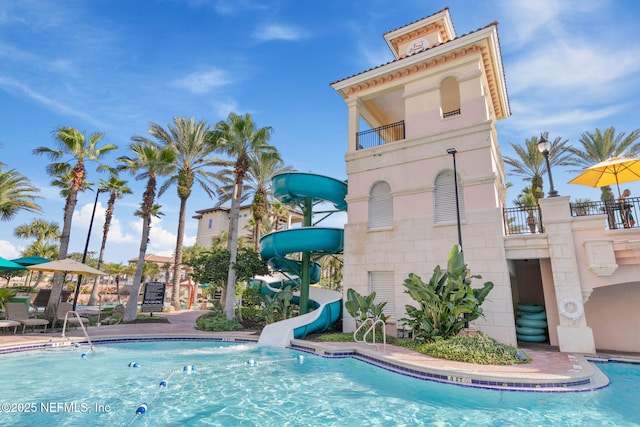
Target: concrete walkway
x=549 y=371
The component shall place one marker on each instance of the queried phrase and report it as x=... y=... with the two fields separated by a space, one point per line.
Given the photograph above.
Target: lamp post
x=453 y=152
x=86 y=247
x=543 y=147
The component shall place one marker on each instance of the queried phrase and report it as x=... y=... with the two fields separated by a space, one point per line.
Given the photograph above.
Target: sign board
x=153 y=298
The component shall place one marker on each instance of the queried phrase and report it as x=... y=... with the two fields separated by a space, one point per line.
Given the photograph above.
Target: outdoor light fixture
x=86 y=246
x=543 y=147
x=453 y=152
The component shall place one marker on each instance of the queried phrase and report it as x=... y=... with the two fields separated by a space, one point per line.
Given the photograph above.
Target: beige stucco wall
x=613 y=314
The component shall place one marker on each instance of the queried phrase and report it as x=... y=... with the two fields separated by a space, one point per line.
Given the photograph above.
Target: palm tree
x=279 y=211
x=530 y=162
x=149 y=162
x=240 y=140
x=194 y=164
x=598 y=147
x=80 y=149
x=114 y=270
x=116 y=188
x=43 y=231
x=262 y=168
x=16 y=194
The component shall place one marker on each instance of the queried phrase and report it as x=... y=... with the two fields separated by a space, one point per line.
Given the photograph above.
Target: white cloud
x=204 y=81
x=8 y=250
x=279 y=32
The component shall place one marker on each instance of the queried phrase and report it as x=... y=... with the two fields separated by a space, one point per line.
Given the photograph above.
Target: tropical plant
x=194 y=163
x=116 y=188
x=16 y=194
x=530 y=162
x=263 y=166
x=238 y=138
x=276 y=306
x=149 y=162
x=42 y=231
x=5 y=296
x=75 y=144
x=446 y=303
x=599 y=146
x=114 y=270
x=362 y=308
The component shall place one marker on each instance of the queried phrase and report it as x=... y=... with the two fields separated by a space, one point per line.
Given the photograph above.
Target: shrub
x=215 y=321
x=473 y=348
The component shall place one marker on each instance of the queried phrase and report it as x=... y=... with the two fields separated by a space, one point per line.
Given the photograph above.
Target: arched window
x=445 y=198
x=380 y=206
x=450 y=97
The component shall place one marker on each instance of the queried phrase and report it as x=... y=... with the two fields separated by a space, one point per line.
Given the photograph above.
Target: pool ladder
x=84 y=330
x=372 y=323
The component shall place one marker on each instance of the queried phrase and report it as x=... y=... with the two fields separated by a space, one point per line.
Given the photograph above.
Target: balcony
x=380 y=136
x=523 y=220
x=619 y=215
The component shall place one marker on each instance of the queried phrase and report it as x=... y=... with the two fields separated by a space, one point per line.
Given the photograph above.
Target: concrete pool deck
x=549 y=371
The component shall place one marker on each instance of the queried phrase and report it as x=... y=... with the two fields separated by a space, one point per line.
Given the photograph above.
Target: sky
x=114 y=66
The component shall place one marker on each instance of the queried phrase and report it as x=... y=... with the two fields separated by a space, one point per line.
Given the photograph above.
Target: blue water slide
x=293 y=187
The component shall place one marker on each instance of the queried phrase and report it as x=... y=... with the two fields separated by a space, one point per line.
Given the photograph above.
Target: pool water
x=231 y=384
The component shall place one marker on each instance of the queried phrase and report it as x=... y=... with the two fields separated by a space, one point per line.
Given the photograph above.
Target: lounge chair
x=10 y=324
x=62 y=310
x=17 y=311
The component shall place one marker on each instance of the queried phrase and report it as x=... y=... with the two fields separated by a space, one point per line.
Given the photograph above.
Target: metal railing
x=523 y=220
x=451 y=113
x=379 y=136
x=372 y=323
x=619 y=215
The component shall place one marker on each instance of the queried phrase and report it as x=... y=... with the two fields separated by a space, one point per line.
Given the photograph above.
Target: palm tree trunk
x=175 y=296
x=56 y=288
x=131 y=311
x=232 y=247
x=105 y=232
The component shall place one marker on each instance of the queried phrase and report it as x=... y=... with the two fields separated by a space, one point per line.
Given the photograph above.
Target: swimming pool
x=232 y=384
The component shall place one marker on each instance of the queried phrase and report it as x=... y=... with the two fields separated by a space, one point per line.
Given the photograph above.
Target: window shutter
x=381 y=282
x=445 y=198
x=380 y=206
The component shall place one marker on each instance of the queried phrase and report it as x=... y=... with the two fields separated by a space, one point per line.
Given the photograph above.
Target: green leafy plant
x=362 y=308
x=216 y=321
x=277 y=306
x=5 y=296
x=446 y=302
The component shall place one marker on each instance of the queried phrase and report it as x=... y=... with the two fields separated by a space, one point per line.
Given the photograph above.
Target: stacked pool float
x=531 y=323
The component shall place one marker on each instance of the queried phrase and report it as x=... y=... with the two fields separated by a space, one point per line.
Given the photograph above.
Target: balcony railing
x=523 y=220
x=379 y=136
x=619 y=215
x=451 y=113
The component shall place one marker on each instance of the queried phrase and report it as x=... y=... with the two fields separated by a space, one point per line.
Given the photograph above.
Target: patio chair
x=42 y=298
x=61 y=311
x=18 y=311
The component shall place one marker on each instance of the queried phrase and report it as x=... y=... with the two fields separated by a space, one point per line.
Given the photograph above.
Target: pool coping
x=584 y=376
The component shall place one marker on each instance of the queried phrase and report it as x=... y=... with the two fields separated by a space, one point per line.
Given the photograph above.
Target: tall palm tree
x=194 y=163
x=598 y=146
x=16 y=194
x=149 y=161
x=116 y=188
x=530 y=162
x=79 y=149
x=262 y=168
x=239 y=138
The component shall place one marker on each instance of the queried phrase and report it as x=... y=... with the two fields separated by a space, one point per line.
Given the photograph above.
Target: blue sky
x=113 y=66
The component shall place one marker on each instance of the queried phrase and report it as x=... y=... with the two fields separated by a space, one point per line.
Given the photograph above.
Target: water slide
x=294 y=187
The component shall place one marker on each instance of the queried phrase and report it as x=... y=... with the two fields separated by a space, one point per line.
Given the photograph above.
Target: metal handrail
x=374 y=322
x=64 y=326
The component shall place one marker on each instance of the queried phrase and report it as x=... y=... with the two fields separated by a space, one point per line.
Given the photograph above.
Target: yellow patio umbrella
x=615 y=170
